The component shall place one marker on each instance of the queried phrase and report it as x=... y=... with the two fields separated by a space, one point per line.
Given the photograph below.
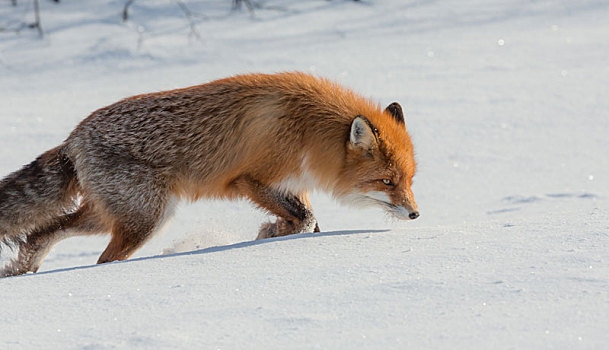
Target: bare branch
x=237 y=4
x=36 y=23
x=255 y=5
x=189 y=16
x=126 y=10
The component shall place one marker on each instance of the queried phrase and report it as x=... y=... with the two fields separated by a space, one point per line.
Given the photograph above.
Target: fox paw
x=15 y=268
x=280 y=227
x=283 y=227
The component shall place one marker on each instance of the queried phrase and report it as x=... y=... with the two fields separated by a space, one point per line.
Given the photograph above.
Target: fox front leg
x=305 y=222
x=293 y=212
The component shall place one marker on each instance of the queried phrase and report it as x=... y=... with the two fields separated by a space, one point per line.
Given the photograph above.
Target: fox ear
x=395 y=110
x=363 y=134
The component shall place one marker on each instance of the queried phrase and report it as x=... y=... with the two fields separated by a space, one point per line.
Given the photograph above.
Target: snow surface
x=506 y=101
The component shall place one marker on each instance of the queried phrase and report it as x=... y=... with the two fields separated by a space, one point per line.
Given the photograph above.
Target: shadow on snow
x=241 y=245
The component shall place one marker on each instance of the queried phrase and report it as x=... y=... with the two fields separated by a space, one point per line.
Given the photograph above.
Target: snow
x=507 y=105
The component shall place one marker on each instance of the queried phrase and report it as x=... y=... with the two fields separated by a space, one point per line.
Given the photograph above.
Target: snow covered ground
x=507 y=103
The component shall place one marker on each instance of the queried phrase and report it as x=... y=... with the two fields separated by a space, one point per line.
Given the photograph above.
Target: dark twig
x=183 y=7
x=126 y=10
x=237 y=4
x=36 y=23
x=254 y=5
x=189 y=16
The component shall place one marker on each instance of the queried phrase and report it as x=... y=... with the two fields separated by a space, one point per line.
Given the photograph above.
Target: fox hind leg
x=141 y=219
x=38 y=243
x=134 y=197
x=126 y=239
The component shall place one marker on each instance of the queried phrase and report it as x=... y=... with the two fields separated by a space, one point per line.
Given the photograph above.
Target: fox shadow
x=216 y=249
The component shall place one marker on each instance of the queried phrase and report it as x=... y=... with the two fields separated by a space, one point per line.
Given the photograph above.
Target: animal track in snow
x=519 y=200
x=531 y=199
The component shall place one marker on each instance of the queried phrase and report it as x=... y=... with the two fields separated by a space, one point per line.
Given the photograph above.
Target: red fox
x=268 y=138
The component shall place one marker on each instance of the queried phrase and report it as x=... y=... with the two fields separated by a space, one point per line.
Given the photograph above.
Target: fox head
x=380 y=164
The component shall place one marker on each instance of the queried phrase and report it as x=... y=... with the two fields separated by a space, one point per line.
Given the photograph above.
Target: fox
x=267 y=138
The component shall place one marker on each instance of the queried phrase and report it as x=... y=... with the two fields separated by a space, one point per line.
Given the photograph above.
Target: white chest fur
x=302 y=181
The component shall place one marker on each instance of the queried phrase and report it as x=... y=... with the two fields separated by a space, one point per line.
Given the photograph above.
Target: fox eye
x=387 y=182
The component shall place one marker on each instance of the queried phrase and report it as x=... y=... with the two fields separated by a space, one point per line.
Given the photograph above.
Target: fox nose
x=413 y=215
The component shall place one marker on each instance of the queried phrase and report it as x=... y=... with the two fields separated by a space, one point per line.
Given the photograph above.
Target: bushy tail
x=36 y=195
